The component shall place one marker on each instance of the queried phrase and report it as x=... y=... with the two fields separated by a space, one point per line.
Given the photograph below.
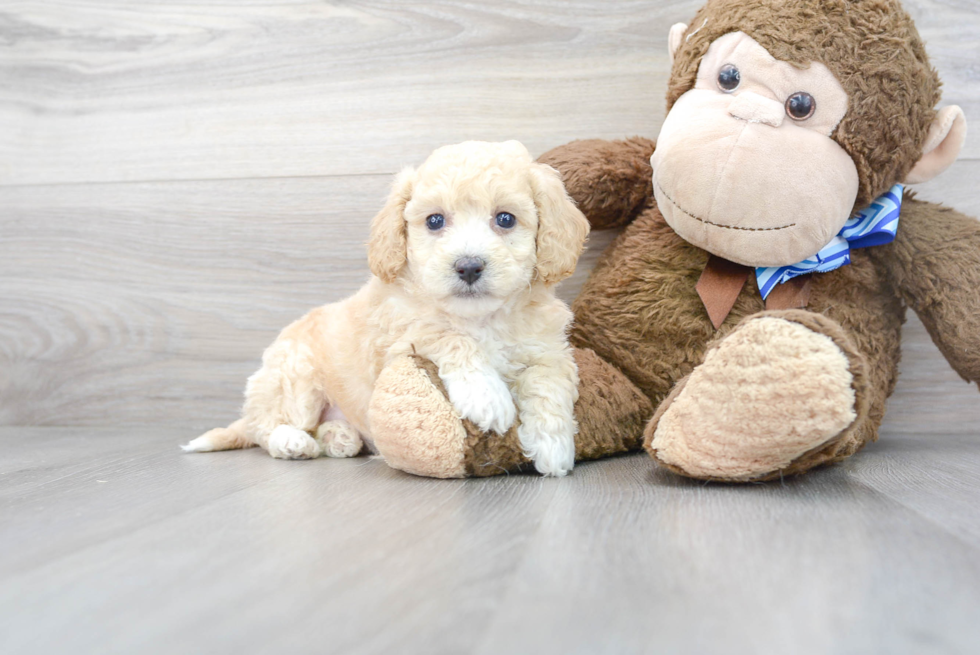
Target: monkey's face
x=745 y=166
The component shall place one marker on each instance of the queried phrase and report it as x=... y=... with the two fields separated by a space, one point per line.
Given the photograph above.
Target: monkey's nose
x=754 y=108
x=469 y=269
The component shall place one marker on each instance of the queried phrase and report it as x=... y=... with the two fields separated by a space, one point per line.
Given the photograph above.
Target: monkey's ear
x=943 y=143
x=562 y=228
x=388 y=243
x=674 y=39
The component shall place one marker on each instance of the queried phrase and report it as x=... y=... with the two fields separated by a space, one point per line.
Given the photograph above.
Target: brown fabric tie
x=722 y=281
x=719 y=286
x=794 y=294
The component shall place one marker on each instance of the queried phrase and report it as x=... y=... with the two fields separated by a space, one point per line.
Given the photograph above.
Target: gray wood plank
x=638 y=561
x=110 y=90
x=935 y=474
x=153 y=296
x=235 y=551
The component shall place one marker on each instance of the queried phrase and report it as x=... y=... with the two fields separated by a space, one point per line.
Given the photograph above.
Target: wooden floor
x=111 y=541
x=179 y=181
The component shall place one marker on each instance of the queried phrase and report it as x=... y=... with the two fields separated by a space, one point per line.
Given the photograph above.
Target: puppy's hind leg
x=337 y=436
x=283 y=402
x=339 y=439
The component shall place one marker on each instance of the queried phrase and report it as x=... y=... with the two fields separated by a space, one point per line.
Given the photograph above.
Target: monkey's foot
x=417 y=430
x=777 y=396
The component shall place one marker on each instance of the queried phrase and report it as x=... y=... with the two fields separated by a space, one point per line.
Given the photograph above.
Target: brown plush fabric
x=935 y=263
x=611 y=411
x=613 y=179
x=873 y=49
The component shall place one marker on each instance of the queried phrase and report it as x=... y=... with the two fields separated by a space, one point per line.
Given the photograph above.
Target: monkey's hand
x=611 y=181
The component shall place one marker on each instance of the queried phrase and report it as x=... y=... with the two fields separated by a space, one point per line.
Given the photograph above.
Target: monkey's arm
x=935 y=262
x=609 y=180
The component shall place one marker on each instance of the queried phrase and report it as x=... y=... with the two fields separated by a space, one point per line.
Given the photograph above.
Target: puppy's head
x=476 y=223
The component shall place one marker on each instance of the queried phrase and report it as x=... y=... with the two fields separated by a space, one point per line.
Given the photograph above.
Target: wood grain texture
x=113 y=90
x=110 y=543
x=154 y=297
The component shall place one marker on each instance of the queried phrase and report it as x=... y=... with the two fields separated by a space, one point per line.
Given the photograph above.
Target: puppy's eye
x=435 y=222
x=506 y=220
x=729 y=78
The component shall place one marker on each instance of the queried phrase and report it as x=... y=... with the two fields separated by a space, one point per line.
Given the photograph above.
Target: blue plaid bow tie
x=872 y=226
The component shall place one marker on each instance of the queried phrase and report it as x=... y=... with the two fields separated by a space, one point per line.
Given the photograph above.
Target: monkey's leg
x=782 y=393
x=417 y=430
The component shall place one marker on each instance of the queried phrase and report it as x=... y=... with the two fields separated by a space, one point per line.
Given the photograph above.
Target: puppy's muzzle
x=469 y=269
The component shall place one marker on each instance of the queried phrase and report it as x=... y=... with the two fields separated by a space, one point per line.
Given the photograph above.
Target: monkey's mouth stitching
x=727 y=227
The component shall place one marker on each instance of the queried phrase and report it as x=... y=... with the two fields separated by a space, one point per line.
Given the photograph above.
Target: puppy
x=464 y=256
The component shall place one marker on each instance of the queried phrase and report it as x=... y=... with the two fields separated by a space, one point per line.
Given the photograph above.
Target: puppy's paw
x=484 y=399
x=287 y=442
x=553 y=454
x=339 y=439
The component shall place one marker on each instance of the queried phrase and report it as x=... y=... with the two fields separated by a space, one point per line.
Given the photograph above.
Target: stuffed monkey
x=753 y=304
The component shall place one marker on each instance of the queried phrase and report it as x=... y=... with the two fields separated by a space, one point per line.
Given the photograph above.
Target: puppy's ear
x=562 y=228
x=388 y=243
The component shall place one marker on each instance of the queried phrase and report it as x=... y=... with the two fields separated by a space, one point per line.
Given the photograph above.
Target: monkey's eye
x=728 y=78
x=800 y=106
x=435 y=222
x=505 y=220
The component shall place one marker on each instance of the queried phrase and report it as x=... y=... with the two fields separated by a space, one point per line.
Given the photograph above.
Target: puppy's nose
x=469 y=269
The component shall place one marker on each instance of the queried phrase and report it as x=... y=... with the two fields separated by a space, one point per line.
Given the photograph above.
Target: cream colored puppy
x=465 y=255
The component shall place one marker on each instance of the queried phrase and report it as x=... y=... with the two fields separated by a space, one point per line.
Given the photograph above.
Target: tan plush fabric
x=769 y=393
x=871 y=46
x=413 y=426
x=946 y=138
x=720 y=155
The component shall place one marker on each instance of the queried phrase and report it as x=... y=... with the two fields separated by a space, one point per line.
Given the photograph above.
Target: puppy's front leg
x=475 y=388
x=480 y=395
x=546 y=393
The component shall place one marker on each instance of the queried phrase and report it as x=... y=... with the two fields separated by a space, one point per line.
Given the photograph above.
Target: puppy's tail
x=230 y=438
